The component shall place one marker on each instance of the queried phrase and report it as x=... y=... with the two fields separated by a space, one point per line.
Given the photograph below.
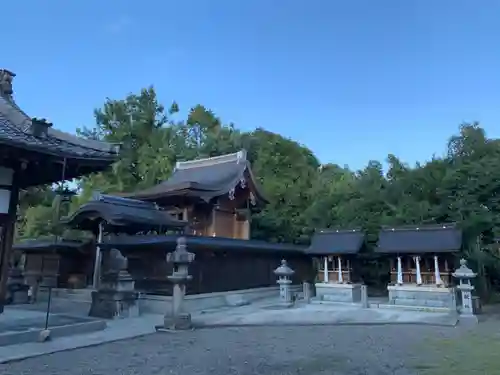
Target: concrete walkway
x=115 y=330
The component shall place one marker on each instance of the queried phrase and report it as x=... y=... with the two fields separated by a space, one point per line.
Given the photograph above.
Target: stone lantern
x=284 y=273
x=180 y=259
x=464 y=274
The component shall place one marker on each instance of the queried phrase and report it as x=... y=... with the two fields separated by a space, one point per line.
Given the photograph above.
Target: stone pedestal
x=178 y=319
x=420 y=295
x=17 y=289
x=365 y=303
x=307 y=291
x=337 y=292
x=116 y=297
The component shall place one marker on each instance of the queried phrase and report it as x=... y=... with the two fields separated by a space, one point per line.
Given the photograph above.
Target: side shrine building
x=216 y=195
x=422 y=261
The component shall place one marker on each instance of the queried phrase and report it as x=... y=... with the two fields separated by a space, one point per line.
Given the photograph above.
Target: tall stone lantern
x=180 y=259
x=465 y=275
x=284 y=273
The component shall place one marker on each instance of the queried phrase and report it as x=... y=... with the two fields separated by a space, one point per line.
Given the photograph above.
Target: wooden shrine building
x=422 y=261
x=215 y=195
x=33 y=153
x=66 y=262
x=335 y=252
x=107 y=214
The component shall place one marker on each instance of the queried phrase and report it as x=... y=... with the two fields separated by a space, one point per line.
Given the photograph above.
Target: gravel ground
x=372 y=350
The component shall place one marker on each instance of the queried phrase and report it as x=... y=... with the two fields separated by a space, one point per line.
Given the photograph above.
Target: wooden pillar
x=340 y=276
x=417 y=270
x=437 y=274
x=325 y=269
x=400 y=272
x=6 y=240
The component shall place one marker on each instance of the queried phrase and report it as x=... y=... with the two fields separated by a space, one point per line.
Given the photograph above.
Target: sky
x=353 y=80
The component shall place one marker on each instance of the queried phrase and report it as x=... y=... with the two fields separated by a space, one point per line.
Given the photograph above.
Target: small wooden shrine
x=215 y=195
x=69 y=262
x=335 y=252
x=33 y=153
x=422 y=260
x=121 y=215
x=107 y=214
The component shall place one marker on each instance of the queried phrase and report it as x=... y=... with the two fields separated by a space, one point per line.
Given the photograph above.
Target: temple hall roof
x=443 y=238
x=21 y=132
x=50 y=245
x=206 y=179
x=121 y=215
x=201 y=243
x=336 y=242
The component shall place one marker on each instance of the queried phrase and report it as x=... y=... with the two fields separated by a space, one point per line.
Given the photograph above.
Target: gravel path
x=375 y=350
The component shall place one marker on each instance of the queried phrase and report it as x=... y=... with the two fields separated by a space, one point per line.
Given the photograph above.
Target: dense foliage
x=461 y=186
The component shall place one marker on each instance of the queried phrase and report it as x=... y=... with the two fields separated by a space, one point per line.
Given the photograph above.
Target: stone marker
x=307 y=291
x=464 y=274
x=284 y=273
x=116 y=297
x=177 y=319
x=364 y=297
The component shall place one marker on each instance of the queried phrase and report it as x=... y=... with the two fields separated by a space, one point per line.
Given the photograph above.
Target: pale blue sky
x=353 y=80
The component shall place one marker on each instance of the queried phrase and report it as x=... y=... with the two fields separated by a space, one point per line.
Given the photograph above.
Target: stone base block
x=338 y=292
x=111 y=304
x=467 y=320
x=18 y=294
x=180 y=322
x=424 y=295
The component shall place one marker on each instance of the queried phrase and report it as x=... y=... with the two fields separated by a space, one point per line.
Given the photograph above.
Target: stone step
x=318 y=301
x=80 y=295
x=410 y=308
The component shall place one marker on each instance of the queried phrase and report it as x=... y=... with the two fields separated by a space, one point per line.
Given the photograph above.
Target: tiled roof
x=205 y=178
x=16 y=130
x=13 y=136
x=336 y=242
x=194 y=243
x=122 y=214
x=43 y=245
x=420 y=239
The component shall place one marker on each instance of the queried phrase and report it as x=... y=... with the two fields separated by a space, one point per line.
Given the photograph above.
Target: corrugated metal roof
x=331 y=242
x=420 y=239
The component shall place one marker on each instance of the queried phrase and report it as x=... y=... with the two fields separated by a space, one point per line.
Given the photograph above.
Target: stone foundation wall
x=424 y=296
x=338 y=292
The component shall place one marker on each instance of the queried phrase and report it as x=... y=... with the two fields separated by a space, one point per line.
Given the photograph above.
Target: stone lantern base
x=181 y=322
x=116 y=299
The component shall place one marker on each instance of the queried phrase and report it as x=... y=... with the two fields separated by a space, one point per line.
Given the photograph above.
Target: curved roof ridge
x=240 y=156
x=416 y=227
x=18 y=118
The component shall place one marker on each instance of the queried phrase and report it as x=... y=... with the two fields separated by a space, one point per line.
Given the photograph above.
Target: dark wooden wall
x=215 y=271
